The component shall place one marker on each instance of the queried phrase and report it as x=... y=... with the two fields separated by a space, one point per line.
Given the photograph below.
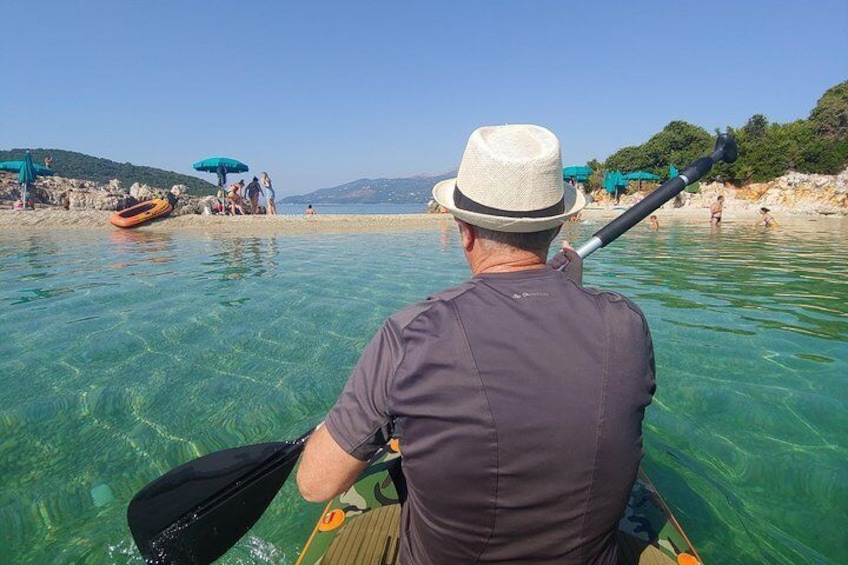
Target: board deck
x=362 y=526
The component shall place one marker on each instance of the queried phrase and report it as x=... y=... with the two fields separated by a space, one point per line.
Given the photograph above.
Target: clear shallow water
x=124 y=354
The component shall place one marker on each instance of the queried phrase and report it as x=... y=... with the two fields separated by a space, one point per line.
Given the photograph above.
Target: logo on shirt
x=529 y=295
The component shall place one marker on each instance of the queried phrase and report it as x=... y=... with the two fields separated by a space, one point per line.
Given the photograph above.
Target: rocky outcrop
x=74 y=194
x=793 y=193
x=801 y=193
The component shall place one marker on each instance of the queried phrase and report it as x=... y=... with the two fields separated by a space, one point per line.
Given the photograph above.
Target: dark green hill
x=70 y=164
x=412 y=190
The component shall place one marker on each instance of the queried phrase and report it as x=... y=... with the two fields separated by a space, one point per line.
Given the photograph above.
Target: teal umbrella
x=222 y=166
x=15 y=167
x=27 y=173
x=577 y=172
x=26 y=176
x=613 y=181
x=641 y=175
x=211 y=164
x=672 y=171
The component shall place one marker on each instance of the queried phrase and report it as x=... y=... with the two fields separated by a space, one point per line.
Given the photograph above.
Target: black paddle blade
x=196 y=512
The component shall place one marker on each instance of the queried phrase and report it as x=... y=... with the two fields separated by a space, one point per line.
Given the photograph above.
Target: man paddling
x=518 y=396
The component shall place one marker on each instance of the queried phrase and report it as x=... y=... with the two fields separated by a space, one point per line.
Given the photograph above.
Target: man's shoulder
x=441 y=299
x=615 y=302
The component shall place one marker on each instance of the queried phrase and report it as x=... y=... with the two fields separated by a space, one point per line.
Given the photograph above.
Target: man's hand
x=569 y=262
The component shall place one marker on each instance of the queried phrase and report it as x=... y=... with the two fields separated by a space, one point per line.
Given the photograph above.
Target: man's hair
x=535 y=242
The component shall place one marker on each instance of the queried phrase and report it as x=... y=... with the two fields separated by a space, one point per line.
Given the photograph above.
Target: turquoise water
x=124 y=354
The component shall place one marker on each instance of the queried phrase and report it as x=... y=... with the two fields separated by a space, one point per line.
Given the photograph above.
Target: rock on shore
x=793 y=193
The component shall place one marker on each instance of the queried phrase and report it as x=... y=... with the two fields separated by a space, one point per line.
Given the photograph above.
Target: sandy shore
x=59 y=219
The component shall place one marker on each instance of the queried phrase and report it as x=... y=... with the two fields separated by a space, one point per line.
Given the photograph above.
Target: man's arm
x=325 y=468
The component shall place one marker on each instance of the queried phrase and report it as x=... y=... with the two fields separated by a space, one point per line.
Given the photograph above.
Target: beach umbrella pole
x=725 y=150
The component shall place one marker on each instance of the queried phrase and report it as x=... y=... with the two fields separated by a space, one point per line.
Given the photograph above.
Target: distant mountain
x=70 y=164
x=412 y=190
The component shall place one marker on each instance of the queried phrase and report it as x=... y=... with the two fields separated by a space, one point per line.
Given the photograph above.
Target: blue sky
x=321 y=93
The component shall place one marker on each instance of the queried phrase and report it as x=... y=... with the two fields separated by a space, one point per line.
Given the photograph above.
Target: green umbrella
x=577 y=172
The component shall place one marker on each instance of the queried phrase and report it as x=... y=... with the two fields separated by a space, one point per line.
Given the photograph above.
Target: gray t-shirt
x=518 y=399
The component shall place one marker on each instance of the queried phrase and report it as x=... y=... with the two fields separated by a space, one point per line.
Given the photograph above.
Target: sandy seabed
x=59 y=219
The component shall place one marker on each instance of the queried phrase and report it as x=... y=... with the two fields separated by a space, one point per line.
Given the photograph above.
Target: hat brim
x=443 y=195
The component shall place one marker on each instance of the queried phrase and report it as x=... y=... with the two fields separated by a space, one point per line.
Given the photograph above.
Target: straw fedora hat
x=510 y=180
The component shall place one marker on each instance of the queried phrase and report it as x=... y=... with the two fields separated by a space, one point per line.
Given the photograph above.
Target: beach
x=49 y=218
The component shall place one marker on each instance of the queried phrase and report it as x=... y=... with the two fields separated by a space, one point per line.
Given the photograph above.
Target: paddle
x=196 y=512
x=725 y=150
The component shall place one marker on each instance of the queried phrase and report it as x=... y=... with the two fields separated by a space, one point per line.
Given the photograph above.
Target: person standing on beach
x=270 y=196
x=253 y=192
x=716 y=210
x=505 y=373
x=309 y=210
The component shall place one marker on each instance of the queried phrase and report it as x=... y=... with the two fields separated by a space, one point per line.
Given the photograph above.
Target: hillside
x=412 y=190
x=70 y=164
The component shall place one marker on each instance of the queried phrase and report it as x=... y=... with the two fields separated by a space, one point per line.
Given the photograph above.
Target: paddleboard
x=362 y=525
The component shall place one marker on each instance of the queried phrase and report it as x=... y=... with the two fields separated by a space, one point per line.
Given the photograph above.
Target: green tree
x=830 y=116
x=757 y=126
x=679 y=143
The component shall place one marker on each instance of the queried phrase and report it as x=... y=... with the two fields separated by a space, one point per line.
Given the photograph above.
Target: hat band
x=463 y=202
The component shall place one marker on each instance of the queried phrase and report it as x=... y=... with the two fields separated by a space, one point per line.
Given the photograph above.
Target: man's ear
x=467 y=235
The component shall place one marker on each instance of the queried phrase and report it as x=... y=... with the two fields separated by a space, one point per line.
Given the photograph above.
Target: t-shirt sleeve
x=361 y=421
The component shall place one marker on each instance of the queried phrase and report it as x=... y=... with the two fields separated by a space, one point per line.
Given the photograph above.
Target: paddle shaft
x=725 y=150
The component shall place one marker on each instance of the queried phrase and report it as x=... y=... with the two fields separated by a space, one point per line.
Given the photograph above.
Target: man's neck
x=524 y=261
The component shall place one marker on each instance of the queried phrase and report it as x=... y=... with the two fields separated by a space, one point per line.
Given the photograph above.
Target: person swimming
x=766 y=219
